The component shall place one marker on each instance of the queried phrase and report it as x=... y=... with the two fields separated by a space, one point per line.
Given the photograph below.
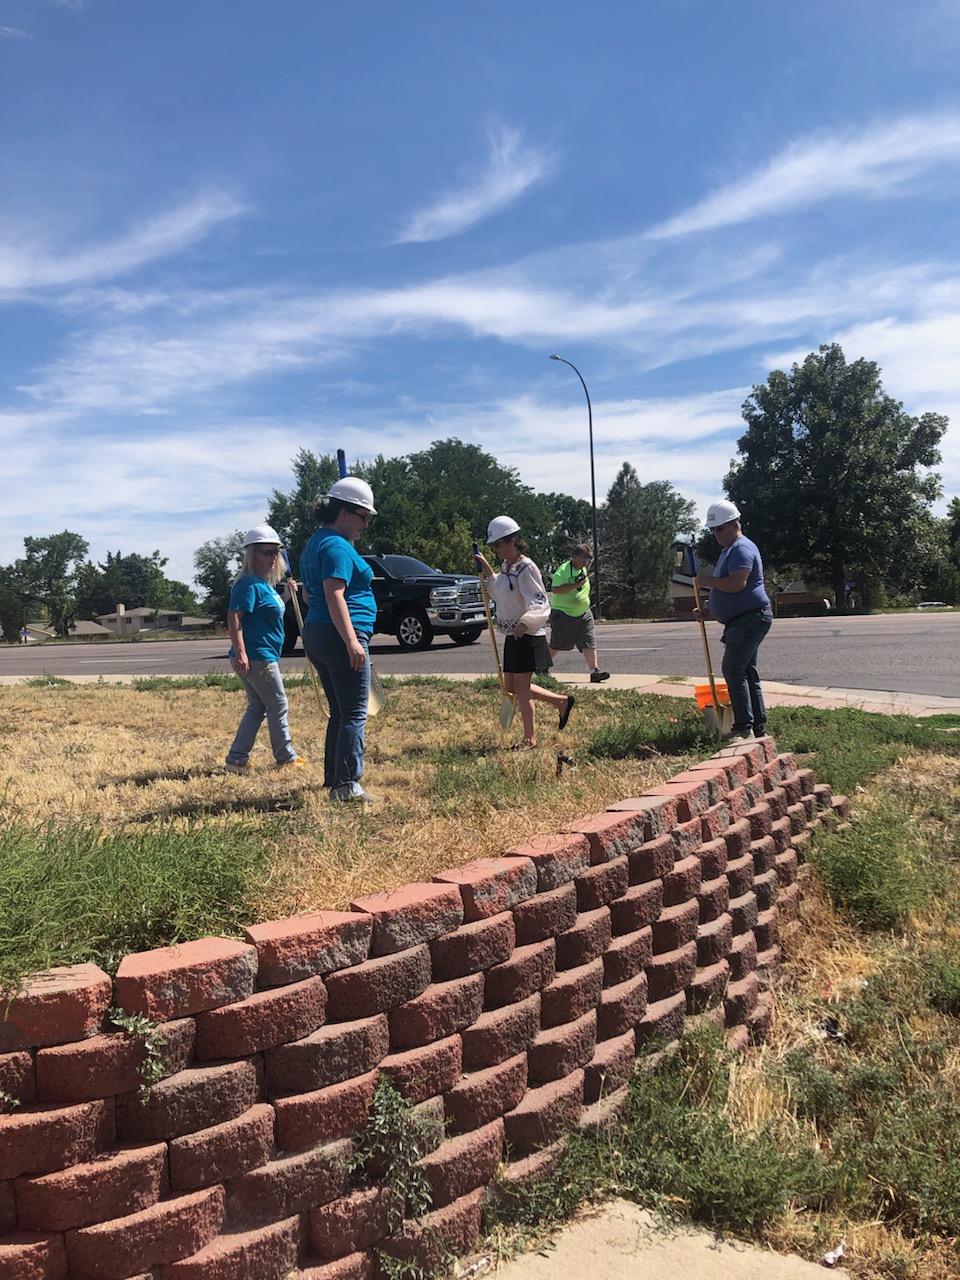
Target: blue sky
x=229 y=230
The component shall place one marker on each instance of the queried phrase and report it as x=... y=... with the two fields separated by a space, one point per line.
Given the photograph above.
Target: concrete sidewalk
x=621 y=1242
x=777 y=694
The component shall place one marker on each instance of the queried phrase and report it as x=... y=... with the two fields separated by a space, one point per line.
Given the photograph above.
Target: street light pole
x=593 y=482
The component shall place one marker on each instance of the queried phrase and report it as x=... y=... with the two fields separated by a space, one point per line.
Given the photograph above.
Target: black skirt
x=526 y=653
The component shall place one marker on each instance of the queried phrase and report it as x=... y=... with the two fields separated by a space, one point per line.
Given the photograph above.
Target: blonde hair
x=276 y=573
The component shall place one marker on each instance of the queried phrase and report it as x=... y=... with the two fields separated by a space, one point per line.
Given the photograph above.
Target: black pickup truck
x=415 y=603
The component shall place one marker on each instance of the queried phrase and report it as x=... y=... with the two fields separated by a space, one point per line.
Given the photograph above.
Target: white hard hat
x=721 y=513
x=501 y=527
x=261 y=533
x=351 y=489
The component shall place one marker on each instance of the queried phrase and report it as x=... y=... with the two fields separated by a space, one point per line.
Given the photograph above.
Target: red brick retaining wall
x=509 y=998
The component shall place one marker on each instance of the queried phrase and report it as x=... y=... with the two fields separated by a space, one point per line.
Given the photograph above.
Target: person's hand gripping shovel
x=508 y=702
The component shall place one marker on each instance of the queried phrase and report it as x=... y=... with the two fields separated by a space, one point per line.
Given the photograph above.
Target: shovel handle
x=703 y=632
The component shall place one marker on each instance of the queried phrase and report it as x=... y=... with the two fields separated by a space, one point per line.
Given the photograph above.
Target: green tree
x=291 y=514
x=431 y=505
x=639 y=524
x=13 y=610
x=832 y=474
x=48 y=574
x=133 y=580
x=216 y=563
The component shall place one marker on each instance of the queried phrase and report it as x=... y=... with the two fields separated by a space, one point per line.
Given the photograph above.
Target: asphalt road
x=903 y=653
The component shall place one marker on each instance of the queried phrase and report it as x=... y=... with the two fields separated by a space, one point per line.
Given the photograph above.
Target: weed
x=46 y=681
x=150 y=1034
x=390 y=1146
x=8 y=1102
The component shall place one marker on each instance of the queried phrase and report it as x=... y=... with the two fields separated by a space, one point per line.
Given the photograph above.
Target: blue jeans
x=741 y=643
x=265 y=697
x=348 y=693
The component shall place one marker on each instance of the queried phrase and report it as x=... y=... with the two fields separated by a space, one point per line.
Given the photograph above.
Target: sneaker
x=346 y=795
x=296 y=763
x=242 y=770
x=565 y=714
x=597 y=676
x=737 y=735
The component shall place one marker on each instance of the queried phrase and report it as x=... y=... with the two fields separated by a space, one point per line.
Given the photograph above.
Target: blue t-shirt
x=727 y=605
x=329 y=555
x=262 y=618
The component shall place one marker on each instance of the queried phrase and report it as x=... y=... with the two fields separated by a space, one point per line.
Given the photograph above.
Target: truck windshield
x=406 y=566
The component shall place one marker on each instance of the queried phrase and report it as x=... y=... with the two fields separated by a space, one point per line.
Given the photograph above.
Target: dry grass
x=450 y=789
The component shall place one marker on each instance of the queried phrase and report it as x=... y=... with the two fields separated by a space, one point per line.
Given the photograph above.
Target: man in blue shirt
x=739 y=602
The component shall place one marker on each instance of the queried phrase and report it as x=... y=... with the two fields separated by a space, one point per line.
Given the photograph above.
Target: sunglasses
x=359 y=511
x=268 y=551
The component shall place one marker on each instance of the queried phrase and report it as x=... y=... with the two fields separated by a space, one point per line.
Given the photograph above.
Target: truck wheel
x=414 y=631
x=466 y=635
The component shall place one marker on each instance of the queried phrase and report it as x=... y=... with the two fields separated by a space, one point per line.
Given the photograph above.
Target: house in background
x=131 y=622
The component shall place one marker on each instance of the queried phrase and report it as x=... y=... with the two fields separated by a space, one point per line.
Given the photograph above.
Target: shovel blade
x=508 y=706
x=375 y=696
x=718 y=725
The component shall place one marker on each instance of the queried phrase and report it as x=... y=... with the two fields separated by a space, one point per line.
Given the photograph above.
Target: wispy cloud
x=25 y=265
x=511 y=170
x=877 y=162
x=14 y=33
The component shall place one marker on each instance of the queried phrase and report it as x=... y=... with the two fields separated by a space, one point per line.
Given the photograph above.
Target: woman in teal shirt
x=255 y=623
x=340 y=620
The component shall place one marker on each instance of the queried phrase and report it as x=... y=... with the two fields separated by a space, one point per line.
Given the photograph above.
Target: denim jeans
x=741 y=643
x=265 y=697
x=348 y=693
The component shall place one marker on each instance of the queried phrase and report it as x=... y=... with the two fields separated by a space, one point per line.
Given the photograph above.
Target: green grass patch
x=75 y=893
x=881 y=869
x=847 y=746
x=46 y=681
x=652 y=725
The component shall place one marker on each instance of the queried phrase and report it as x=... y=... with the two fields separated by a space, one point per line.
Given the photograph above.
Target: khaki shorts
x=567 y=632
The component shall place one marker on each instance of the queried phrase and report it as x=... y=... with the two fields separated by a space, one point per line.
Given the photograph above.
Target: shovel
x=717 y=715
x=508 y=702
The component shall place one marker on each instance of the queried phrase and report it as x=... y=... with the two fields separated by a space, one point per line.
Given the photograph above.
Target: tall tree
x=431 y=504
x=639 y=524
x=48 y=573
x=216 y=563
x=832 y=474
x=13 y=610
x=291 y=514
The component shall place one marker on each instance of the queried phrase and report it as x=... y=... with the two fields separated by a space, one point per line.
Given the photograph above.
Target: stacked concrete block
x=508 y=1000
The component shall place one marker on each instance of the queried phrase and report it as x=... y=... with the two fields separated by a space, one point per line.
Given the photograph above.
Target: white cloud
x=25 y=265
x=878 y=162
x=14 y=33
x=510 y=171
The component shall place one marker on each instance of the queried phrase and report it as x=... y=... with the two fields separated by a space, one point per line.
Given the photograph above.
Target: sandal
x=524 y=746
x=565 y=714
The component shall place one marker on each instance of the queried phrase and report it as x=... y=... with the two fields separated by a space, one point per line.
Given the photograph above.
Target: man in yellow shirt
x=571 y=618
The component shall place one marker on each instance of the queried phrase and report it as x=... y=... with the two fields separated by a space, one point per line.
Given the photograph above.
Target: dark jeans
x=348 y=693
x=741 y=642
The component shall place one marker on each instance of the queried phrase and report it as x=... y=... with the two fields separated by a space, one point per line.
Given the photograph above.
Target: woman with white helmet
x=255 y=623
x=340 y=620
x=522 y=612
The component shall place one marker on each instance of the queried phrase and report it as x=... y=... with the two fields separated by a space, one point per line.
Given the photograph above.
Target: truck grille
x=469 y=594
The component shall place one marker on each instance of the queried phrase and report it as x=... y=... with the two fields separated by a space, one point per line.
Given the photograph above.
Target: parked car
x=933 y=604
x=415 y=603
